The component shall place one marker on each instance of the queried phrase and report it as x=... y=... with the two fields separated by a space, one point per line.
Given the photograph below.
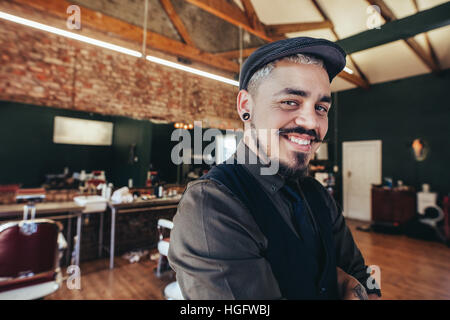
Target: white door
x=361 y=168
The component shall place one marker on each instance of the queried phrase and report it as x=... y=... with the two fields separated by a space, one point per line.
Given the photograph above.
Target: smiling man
x=242 y=234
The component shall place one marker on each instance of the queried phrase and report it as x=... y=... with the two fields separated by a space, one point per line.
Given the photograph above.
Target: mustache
x=301 y=130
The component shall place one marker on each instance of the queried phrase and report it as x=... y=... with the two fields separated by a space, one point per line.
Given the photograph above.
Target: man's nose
x=306 y=117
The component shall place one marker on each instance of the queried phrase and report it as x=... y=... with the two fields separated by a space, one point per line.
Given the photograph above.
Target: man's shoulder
x=206 y=186
x=208 y=208
x=207 y=193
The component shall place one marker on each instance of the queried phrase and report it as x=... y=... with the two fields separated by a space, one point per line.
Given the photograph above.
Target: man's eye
x=321 y=109
x=290 y=103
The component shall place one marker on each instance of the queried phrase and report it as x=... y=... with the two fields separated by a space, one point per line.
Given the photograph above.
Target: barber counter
x=134 y=225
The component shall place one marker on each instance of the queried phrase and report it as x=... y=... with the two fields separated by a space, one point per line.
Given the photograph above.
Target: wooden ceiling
x=202 y=30
x=406 y=56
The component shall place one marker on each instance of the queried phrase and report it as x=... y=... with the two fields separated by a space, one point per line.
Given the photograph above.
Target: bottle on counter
x=103 y=187
x=159 y=191
x=109 y=191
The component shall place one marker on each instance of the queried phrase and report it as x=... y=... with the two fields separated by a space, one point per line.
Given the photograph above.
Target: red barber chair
x=29 y=259
x=172 y=290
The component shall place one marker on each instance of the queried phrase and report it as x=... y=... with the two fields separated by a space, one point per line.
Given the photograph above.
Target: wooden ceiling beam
x=404 y=28
x=126 y=31
x=364 y=80
x=427 y=39
x=252 y=16
x=353 y=78
x=278 y=29
x=235 y=54
x=231 y=14
x=176 y=21
x=389 y=16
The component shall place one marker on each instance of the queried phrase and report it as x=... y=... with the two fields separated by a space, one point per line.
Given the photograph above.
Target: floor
x=135 y=281
x=410 y=269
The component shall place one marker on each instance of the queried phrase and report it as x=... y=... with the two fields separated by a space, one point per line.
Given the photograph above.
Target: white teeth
x=300 y=141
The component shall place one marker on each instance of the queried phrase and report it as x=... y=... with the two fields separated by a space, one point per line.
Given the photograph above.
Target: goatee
x=296 y=171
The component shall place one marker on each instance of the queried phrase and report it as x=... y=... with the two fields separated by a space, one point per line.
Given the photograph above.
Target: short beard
x=298 y=170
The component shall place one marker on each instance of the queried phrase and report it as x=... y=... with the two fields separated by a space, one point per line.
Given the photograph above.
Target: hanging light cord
x=144 y=40
x=240 y=48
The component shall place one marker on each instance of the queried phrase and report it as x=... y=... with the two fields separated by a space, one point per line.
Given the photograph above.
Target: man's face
x=294 y=99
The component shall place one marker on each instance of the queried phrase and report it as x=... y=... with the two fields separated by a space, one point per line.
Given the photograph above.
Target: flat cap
x=332 y=55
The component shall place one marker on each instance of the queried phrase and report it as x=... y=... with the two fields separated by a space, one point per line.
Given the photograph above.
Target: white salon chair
x=433 y=221
x=172 y=290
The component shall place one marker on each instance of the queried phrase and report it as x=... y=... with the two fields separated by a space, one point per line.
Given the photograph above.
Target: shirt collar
x=271 y=183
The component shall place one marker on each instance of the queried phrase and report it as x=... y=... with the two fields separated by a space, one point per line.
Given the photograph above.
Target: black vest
x=293 y=265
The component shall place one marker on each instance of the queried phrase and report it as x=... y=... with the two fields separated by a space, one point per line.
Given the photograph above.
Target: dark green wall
x=162 y=148
x=126 y=133
x=27 y=151
x=397 y=113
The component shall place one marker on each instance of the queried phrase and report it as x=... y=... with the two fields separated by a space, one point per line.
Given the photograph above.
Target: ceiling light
x=192 y=70
x=348 y=70
x=67 y=34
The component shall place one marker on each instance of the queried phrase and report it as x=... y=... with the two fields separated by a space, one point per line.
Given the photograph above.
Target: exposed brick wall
x=44 y=69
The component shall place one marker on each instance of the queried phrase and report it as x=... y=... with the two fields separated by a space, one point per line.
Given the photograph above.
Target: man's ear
x=244 y=103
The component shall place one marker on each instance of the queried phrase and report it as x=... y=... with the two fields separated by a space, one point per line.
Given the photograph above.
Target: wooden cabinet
x=393 y=206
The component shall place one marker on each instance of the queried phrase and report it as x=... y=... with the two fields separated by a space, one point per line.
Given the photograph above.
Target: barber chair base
x=173 y=292
x=31 y=292
x=163 y=263
x=163 y=267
